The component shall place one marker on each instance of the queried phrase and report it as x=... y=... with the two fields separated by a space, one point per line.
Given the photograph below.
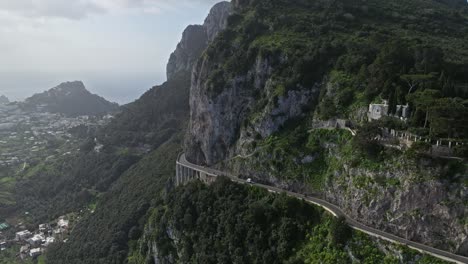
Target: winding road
x=336 y=211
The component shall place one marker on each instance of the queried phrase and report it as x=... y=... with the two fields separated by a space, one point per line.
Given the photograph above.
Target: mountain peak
x=67 y=88
x=71 y=98
x=196 y=38
x=75 y=85
x=217 y=19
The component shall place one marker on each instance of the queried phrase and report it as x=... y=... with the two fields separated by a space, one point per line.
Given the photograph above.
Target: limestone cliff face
x=233 y=110
x=420 y=207
x=196 y=38
x=217 y=20
x=412 y=199
x=248 y=105
x=188 y=50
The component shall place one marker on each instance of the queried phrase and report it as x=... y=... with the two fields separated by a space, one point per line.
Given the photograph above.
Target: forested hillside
x=269 y=93
x=232 y=223
x=147 y=120
x=129 y=192
x=248 y=101
x=279 y=61
x=119 y=217
x=152 y=128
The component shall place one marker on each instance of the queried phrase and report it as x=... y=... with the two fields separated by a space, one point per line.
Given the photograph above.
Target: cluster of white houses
x=26 y=134
x=34 y=244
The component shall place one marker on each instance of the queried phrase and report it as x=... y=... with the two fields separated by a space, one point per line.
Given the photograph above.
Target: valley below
x=32 y=140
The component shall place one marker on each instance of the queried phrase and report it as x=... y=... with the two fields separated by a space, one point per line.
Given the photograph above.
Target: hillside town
x=32 y=244
x=27 y=138
x=28 y=134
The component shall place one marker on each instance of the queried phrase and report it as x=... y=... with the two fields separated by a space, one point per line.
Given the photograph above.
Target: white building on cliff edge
x=377 y=111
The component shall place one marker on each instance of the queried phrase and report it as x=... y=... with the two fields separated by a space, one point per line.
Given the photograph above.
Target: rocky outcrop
x=217 y=127
x=196 y=38
x=217 y=20
x=70 y=98
x=232 y=110
x=431 y=211
x=413 y=199
x=214 y=121
x=188 y=50
x=146 y=120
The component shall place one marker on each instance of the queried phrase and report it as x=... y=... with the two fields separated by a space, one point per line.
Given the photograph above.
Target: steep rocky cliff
x=188 y=50
x=216 y=129
x=410 y=200
x=196 y=38
x=258 y=88
x=151 y=128
x=163 y=110
x=216 y=21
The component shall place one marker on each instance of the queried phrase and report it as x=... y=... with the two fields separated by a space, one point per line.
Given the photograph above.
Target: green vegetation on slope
x=119 y=216
x=297 y=154
x=304 y=42
x=158 y=118
x=152 y=119
x=9 y=256
x=6 y=186
x=314 y=157
x=365 y=50
x=68 y=184
x=232 y=223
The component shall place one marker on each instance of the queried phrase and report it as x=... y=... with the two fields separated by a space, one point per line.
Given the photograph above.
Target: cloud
x=78 y=9
x=50 y=8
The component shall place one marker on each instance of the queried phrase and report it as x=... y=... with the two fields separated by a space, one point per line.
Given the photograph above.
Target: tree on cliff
x=423 y=100
x=340 y=231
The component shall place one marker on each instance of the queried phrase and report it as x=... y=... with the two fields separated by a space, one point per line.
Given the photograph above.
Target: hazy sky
x=119 y=48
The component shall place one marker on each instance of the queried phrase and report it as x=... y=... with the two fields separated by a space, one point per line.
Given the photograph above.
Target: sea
x=121 y=88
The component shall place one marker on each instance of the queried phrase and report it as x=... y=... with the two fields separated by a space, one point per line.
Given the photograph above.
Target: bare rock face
x=217 y=20
x=222 y=123
x=194 y=41
x=430 y=212
x=196 y=38
x=213 y=121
